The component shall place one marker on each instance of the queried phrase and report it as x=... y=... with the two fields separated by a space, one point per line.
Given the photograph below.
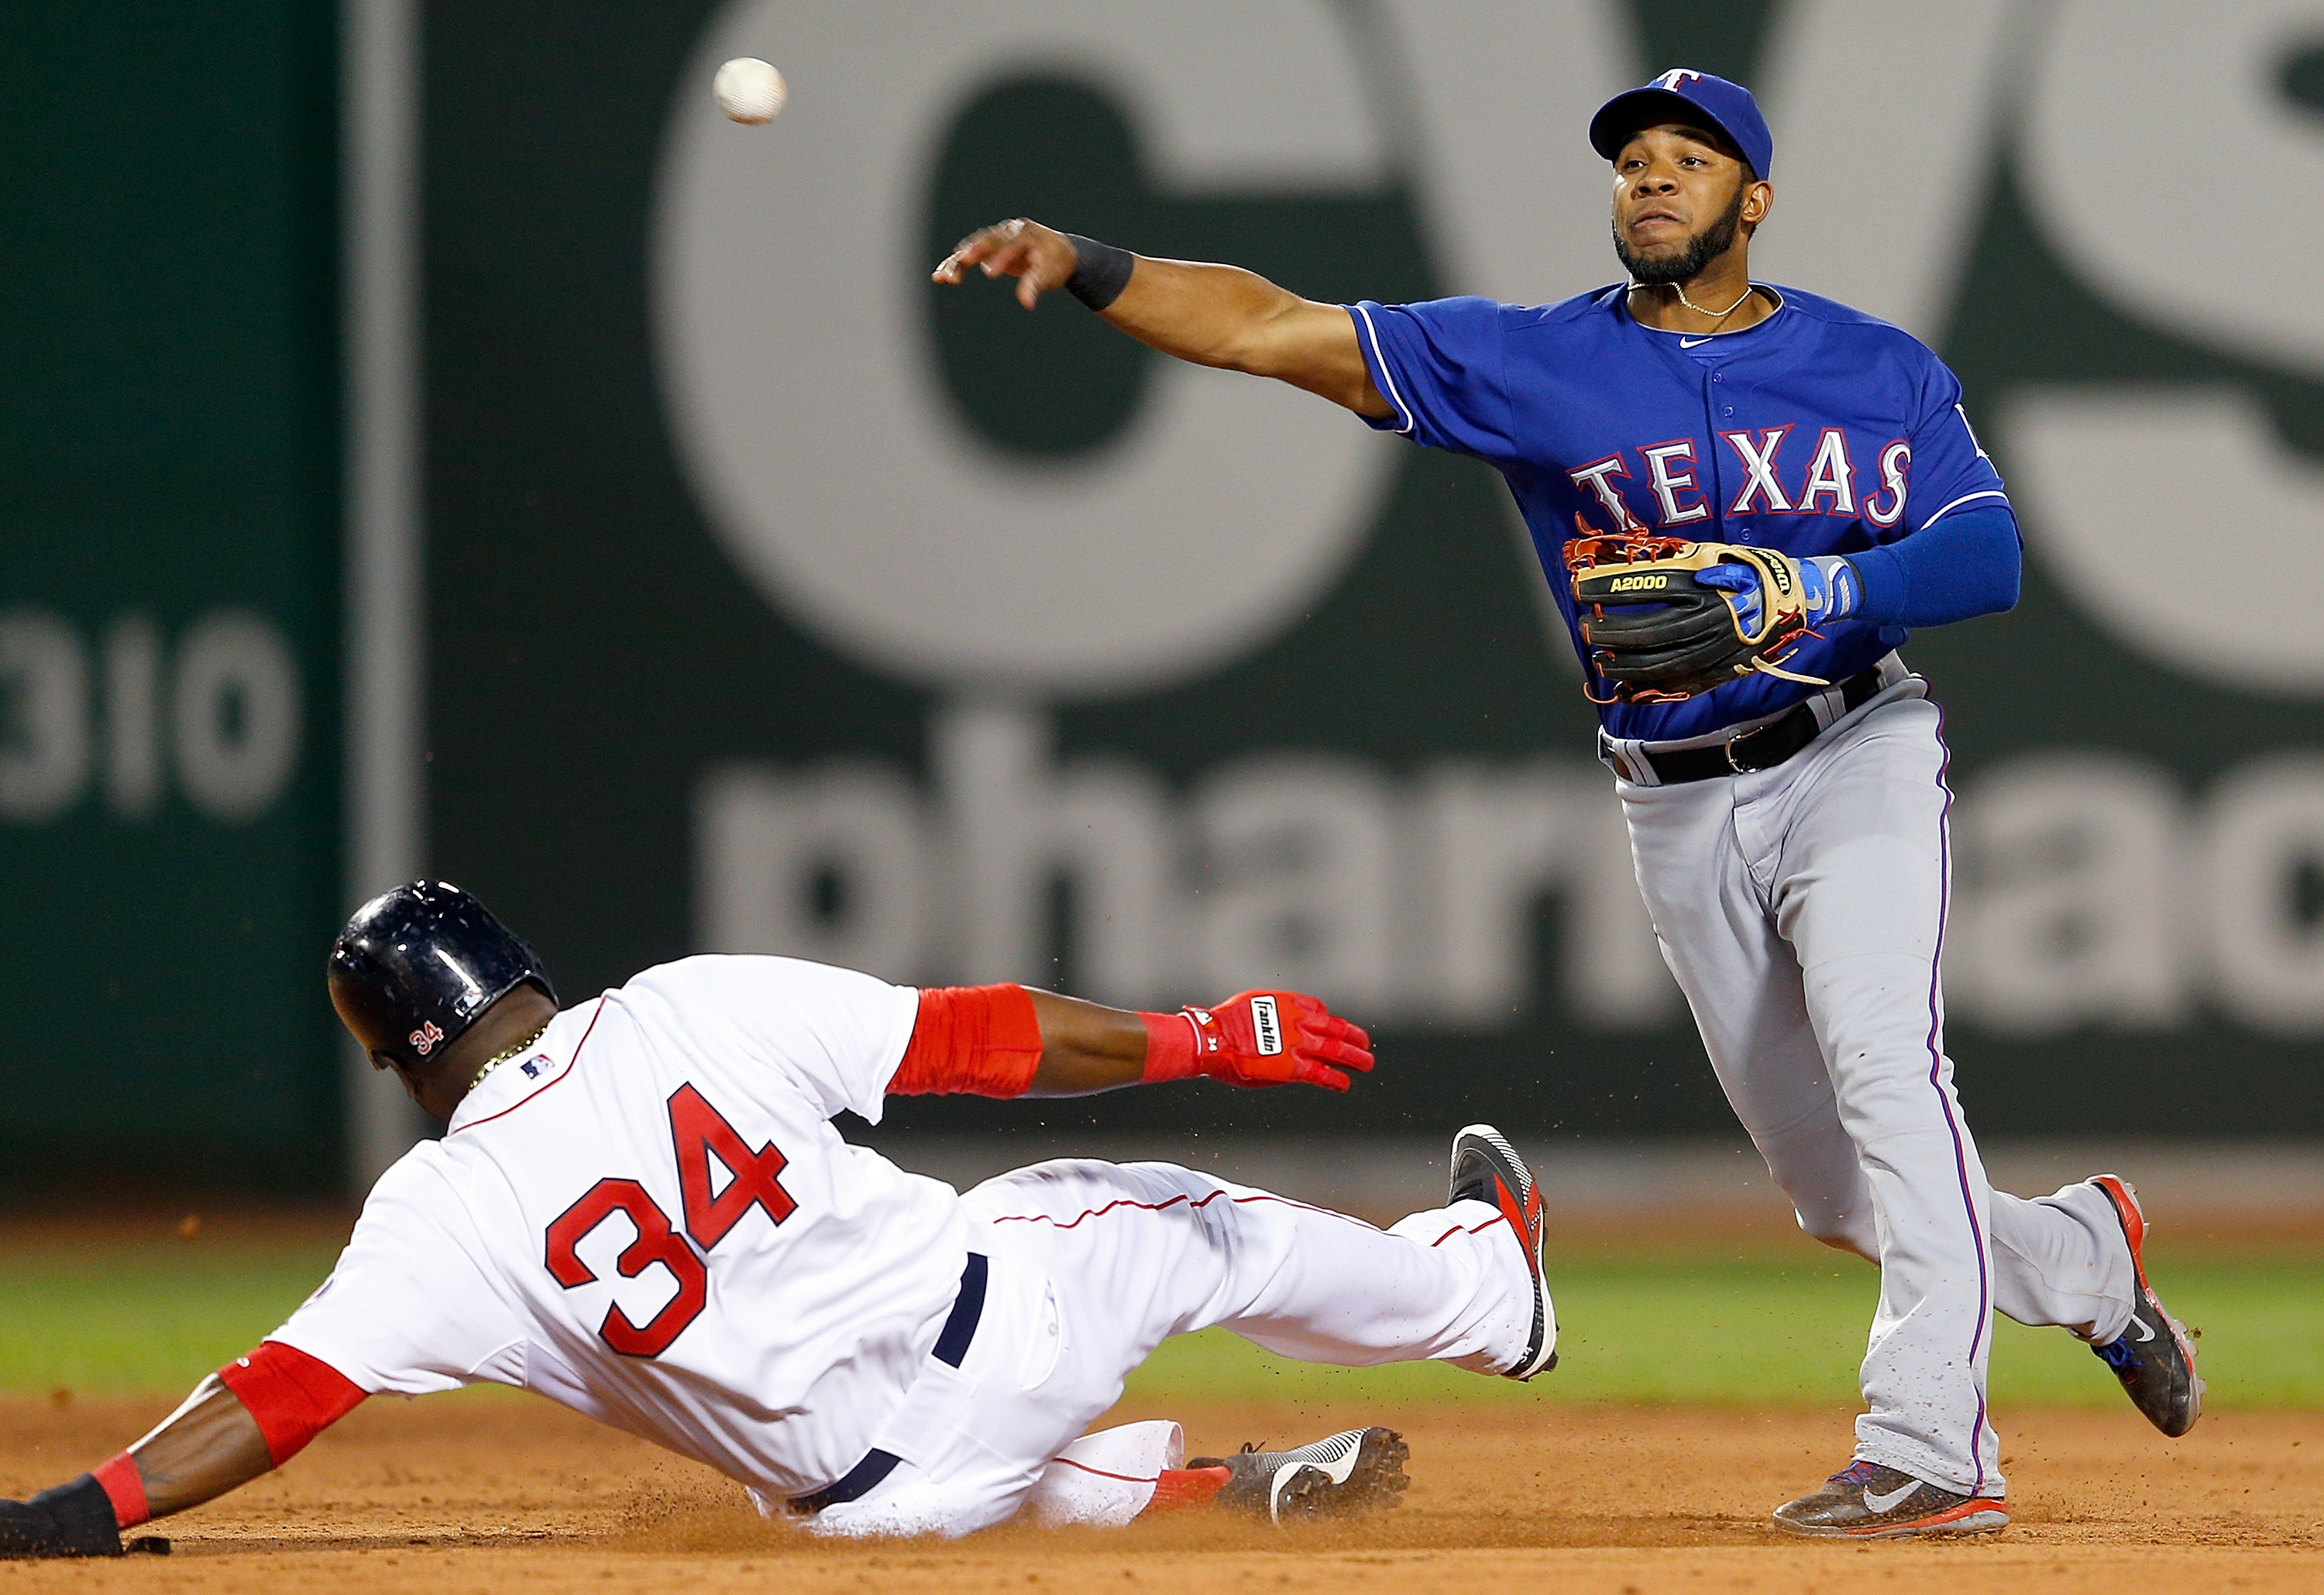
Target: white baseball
x=749 y=91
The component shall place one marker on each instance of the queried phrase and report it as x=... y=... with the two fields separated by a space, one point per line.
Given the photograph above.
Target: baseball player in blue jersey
x=1787 y=810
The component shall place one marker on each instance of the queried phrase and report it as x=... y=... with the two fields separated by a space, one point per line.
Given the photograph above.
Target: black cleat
x=2155 y=1358
x=1866 y=1501
x=1339 y=1476
x=1486 y=1168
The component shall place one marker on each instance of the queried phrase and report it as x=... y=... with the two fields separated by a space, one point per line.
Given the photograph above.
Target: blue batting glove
x=1740 y=583
x=1832 y=587
x=1828 y=586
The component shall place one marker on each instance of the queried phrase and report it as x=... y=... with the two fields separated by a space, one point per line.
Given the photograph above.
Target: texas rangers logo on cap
x=1721 y=107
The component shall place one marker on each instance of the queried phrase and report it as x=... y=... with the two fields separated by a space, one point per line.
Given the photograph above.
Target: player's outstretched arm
x=1008 y=1041
x=1251 y=1038
x=253 y=1414
x=207 y=1447
x=1210 y=315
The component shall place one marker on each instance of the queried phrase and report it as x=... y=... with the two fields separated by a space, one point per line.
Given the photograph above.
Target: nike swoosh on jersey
x=1876 y=1504
x=1688 y=343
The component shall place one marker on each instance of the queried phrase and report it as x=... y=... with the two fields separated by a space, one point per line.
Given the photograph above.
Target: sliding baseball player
x=640 y=1209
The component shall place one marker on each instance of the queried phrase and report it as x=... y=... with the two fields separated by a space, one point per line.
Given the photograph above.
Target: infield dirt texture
x=1607 y=1480
x=490 y=1494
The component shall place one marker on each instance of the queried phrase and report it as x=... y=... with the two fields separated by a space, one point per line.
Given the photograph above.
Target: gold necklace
x=1719 y=316
x=1680 y=290
x=497 y=1059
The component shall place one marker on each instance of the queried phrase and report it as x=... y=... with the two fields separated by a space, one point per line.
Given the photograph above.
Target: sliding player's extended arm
x=246 y=1419
x=1210 y=315
x=1007 y=1041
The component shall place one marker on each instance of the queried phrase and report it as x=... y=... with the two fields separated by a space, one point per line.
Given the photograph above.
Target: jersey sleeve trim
x=1374 y=357
x=293 y=1396
x=1966 y=498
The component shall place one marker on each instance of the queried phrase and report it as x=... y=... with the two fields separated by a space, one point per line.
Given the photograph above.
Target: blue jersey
x=1819 y=431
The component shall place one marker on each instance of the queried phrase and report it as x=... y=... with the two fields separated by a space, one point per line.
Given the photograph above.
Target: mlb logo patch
x=533 y=1066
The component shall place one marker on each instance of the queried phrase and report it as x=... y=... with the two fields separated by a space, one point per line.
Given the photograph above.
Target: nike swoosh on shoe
x=1876 y=1504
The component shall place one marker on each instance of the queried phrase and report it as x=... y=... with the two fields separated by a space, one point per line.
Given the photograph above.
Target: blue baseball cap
x=1685 y=95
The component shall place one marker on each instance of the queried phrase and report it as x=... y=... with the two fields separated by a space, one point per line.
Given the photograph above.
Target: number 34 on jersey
x=700 y=1134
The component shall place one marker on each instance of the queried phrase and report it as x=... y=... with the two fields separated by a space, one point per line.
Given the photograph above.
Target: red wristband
x=1172 y=1052
x=125 y=1486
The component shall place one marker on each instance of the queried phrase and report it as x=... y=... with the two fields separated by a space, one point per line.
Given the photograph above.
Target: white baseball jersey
x=650 y=1218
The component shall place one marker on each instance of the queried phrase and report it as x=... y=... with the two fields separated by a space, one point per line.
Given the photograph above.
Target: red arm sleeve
x=293 y=1397
x=981 y=1039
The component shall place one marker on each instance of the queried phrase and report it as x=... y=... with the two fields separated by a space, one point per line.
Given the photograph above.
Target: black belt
x=1763 y=747
x=951 y=1345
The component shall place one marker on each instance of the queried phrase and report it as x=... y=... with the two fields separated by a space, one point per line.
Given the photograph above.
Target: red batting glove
x=1257 y=1038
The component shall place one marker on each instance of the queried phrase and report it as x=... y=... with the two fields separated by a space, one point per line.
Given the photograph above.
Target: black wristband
x=1101 y=275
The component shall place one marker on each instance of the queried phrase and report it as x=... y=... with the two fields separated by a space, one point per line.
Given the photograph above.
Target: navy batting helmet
x=416 y=966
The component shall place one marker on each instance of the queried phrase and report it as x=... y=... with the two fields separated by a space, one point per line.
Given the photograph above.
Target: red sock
x=1187 y=1486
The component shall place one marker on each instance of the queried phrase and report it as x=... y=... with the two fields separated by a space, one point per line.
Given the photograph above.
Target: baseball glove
x=1656 y=634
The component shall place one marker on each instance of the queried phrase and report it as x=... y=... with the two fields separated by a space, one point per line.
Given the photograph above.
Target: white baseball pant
x=1802 y=909
x=1094 y=1264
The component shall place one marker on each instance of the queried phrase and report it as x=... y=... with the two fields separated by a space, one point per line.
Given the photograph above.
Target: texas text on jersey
x=1817 y=430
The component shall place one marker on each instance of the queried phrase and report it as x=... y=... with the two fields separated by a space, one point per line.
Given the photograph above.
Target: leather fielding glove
x=1662 y=619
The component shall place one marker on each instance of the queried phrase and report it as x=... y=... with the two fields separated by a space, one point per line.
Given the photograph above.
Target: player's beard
x=1703 y=248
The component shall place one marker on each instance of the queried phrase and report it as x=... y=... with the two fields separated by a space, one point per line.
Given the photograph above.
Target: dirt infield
x=493 y=1494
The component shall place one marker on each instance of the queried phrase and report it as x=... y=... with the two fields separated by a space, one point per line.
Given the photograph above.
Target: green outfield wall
x=169 y=595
